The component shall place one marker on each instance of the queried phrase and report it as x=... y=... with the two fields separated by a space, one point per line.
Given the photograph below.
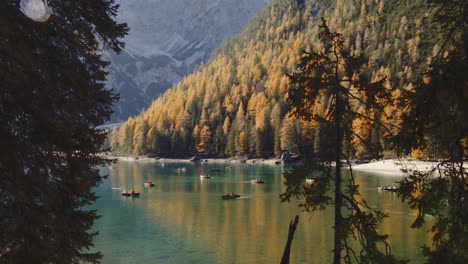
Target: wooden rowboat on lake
x=258 y=181
x=131 y=193
x=230 y=196
x=387 y=188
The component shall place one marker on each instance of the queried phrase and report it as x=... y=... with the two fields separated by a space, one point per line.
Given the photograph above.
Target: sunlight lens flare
x=37 y=10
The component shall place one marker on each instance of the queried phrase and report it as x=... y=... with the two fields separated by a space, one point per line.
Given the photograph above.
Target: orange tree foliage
x=243 y=86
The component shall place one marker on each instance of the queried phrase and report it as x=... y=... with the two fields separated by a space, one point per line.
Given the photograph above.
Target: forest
x=235 y=104
x=301 y=77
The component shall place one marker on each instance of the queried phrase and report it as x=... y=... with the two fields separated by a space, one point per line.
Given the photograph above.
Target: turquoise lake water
x=184 y=220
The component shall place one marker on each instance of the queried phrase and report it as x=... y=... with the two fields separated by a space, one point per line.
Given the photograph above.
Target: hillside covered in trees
x=235 y=103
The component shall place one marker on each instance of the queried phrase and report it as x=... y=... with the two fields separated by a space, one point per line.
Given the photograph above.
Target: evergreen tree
x=231 y=145
x=175 y=142
x=218 y=141
x=436 y=119
x=114 y=143
x=259 y=143
x=334 y=72
x=290 y=136
x=277 y=139
x=186 y=144
x=375 y=147
x=128 y=138
x=252 y=138
x=52 y=97
x=307 y=139
x=268 y=136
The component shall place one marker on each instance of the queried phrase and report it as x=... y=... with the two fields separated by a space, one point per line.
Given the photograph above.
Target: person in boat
x=132 y=192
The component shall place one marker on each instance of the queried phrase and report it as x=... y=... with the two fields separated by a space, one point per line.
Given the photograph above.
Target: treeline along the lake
x=235 y=104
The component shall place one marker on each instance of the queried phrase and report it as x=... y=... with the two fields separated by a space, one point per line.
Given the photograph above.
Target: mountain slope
x=168 y=40
x=235 y=103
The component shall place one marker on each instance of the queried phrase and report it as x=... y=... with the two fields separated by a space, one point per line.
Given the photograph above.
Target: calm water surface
x=184 y=220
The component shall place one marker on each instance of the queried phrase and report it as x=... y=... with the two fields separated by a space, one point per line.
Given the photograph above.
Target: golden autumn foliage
x=242 y=89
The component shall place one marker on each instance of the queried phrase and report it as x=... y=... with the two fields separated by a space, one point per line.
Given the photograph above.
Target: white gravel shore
x=395 y=166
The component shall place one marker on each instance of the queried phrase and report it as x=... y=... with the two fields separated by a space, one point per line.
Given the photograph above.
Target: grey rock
x=168 y=40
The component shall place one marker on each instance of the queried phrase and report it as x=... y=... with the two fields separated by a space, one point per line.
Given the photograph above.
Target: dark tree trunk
x=338 y=198
x=287 y=249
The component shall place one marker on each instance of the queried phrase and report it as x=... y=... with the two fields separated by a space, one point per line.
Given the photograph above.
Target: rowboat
x=387 y=188
x=230 y=196
x=132 y=194
x=258 y=181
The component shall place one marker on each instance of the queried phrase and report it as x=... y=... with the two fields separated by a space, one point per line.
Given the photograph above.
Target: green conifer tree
x=436 y=119
x=52 y=98
x=330 y=71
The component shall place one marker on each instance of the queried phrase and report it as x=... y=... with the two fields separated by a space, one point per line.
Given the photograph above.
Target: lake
x=184 y=220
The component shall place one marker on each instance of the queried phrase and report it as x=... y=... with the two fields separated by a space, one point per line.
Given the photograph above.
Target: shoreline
x=208 y=160
x=387 y=166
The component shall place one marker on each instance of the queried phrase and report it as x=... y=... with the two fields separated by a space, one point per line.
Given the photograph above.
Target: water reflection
x=183 y=219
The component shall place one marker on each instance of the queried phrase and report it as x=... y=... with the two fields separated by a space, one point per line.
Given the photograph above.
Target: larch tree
x=275 y=122
x=242 y=142
x=153 y=143
x=330 y=71
x=226 y=126
x=204 y=139
x=114 y=139
x=52 y=98
x=140 y=137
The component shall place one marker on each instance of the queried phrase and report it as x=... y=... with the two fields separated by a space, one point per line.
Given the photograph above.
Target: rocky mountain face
x=168 y=40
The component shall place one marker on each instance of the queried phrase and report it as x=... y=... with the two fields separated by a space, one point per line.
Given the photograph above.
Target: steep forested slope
x=168 y=40
x=235 y=103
